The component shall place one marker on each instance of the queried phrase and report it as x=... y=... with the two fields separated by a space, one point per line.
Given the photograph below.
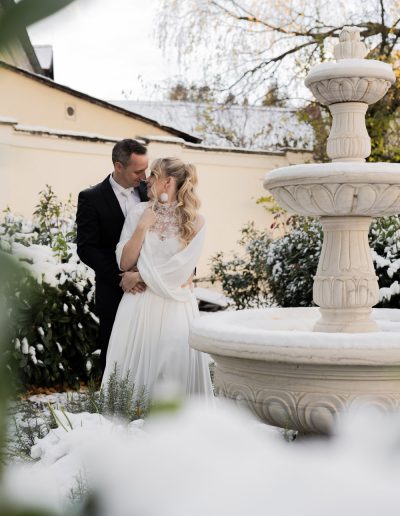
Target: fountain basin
x=350 y=80
x=337 y=189
x=292 y=377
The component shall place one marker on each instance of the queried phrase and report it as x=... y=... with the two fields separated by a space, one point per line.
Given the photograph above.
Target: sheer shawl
x=164 y=279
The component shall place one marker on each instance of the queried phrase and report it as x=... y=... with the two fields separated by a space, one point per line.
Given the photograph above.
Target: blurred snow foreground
x=205 y=462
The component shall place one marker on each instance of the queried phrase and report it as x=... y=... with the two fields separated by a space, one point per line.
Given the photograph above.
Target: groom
x=100 y=217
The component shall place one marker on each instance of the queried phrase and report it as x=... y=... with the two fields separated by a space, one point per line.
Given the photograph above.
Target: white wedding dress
x=149 y=339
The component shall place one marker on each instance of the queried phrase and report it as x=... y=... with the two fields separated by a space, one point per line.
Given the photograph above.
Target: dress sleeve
x=131 y=222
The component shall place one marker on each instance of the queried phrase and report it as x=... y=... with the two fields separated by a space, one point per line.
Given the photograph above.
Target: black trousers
x=107 y=301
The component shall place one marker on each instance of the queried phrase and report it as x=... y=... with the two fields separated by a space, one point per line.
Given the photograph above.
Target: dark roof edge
x=96 y=138
x=84 y=96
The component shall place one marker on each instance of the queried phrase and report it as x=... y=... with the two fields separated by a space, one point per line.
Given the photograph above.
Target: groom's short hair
x=122 y=150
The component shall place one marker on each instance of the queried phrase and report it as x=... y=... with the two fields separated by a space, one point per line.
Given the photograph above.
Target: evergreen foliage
x=280 y=271
x=51 y=320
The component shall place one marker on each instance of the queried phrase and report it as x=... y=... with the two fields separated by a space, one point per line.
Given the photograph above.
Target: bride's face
x=156 y=184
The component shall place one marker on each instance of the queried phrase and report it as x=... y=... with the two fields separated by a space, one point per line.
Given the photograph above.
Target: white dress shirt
x=127 y=197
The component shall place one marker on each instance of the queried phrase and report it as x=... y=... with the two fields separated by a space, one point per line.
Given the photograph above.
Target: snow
x=8 y=120
x=211 y=296
x=388 y=292
x=353 y=68
x=221 y=462
x=45 y=266
x=335 y=172
x=286 y=327
x=267 y=128
x=64 y=451
x=38 y=490
x=25 y=346
x=64 y=132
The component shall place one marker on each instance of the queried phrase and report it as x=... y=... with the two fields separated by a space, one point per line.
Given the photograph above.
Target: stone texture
x=350 y=89
x=294 y=381
x=346 y=286
x=348 y=139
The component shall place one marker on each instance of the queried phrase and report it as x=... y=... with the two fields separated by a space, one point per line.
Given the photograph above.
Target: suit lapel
x=142 y=189
x=112 y=201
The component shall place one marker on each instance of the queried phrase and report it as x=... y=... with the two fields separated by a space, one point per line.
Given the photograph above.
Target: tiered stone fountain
x=299 y=368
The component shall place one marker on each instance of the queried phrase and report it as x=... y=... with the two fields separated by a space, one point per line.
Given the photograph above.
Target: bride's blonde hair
x=186 y=181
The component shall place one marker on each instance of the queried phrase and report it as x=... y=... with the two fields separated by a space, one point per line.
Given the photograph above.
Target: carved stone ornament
x=354 y=189
x=350 y=45
x=294 y=379
x=350 y=89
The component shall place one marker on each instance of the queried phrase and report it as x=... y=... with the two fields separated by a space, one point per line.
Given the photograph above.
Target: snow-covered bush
x=281 y=271
x=33 y=418
x=244 y=278
x=291 y=263
x=54 y=329
x=170 y=465
x=385 y=241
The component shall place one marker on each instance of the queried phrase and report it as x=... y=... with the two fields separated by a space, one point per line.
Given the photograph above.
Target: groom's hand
x=132 y=282
x=189 y=283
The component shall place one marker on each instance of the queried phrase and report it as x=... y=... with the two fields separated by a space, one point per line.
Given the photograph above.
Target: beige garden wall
x=38 y=102
x=229 y=181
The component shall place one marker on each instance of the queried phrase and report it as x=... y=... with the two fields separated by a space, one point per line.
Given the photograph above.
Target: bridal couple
x=143 y=239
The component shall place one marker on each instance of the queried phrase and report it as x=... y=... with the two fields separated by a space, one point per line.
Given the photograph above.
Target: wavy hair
x=188 y=201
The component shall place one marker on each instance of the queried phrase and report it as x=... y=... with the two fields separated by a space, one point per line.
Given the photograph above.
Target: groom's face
x=133 y=172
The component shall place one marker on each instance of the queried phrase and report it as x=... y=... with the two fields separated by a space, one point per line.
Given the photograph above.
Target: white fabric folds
x=149 y=339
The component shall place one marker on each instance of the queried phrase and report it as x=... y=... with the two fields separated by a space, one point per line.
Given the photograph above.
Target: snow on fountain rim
x=285 y=334
x=352 y=68
x=334 y=172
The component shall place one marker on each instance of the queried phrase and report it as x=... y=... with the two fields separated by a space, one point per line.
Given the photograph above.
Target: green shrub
x=30 y=421
x=119 y=398
x=291 y=263
x=54 y=329
x=244 y=278
x=54 y=332
x=385 y=240
x=280 y=271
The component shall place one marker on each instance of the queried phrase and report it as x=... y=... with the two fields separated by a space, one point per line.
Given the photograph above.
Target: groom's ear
x=118 y=166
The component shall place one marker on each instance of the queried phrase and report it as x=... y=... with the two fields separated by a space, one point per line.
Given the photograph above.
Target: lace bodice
x=162 y=238
x=167 y=223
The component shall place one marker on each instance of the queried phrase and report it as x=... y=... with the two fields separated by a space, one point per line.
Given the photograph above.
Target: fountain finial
x=350 y=45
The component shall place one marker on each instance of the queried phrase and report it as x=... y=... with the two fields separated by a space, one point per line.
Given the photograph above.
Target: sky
x=104 y=48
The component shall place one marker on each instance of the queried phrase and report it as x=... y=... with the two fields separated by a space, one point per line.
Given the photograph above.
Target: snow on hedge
x=215 y=462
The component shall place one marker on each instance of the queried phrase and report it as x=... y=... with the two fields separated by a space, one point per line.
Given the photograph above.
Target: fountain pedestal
x=346 y=286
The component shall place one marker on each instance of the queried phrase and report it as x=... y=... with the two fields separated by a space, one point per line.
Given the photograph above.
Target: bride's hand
x=131 y=281
x=147 y=219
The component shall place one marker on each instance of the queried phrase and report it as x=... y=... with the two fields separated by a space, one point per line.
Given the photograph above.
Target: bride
x=163 y=238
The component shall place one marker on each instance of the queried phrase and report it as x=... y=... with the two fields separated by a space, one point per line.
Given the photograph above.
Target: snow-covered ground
x=202 y=461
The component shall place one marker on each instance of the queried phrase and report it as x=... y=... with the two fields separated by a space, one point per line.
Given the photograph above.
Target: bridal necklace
x=167 y=223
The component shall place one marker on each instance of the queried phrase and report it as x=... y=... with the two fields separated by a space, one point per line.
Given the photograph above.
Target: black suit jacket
x=99 y=222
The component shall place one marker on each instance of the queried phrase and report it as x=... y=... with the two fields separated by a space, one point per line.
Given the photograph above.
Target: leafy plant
x=280 y=271
x=243 y=277
x=53 y=329
x=119 y=398
x=54 y=332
